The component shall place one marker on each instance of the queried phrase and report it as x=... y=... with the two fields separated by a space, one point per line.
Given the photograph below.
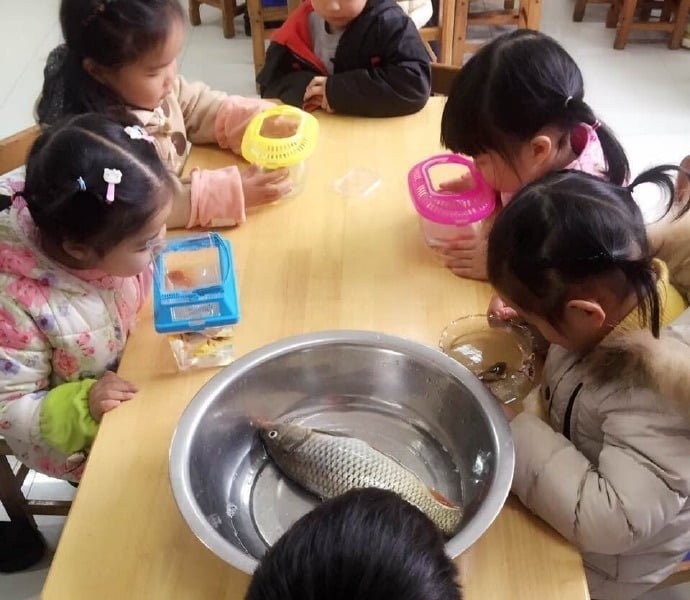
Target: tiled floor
x=643 y=93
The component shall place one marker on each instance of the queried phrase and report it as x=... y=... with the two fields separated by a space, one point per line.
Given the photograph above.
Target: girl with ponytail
x=609 y=469
x=518 y=109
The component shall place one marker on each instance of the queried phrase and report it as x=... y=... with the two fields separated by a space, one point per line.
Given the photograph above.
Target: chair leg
x=681 y=21
x=624 y=24
x=462 y=8
x=228 y=10
x=613 y=14
x=194 y=16
x=532 y=15
x=508 y=4
x=446 y=23
x=254 y=8
x=579 y=10
x=11 y=495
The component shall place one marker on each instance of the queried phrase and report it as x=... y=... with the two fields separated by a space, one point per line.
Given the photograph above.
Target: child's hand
x=459 y=185
x=498 y=309
x=315 y=95
x=509 y=412
x=108 y=393
x=264 y=187
x=466 y=257
x=279 y=126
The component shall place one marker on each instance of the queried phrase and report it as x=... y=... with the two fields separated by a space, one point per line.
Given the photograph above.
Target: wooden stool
x=228 y=8
x=527 y=15
x=581 y=5
x=673 y=19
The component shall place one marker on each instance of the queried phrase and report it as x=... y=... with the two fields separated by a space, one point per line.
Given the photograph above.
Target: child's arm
x=278 y=78
x=641 y=481
x=399 y=85
x=40 y=423
x=214 y=117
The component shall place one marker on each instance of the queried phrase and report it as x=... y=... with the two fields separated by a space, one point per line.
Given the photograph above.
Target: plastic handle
x=224 y=254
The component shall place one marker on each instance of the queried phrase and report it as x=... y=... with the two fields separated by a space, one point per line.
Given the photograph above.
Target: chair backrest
x=15 y=148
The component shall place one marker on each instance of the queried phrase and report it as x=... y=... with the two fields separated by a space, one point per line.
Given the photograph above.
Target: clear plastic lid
x=475 y=202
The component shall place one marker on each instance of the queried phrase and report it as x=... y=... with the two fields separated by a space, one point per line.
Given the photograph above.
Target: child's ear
x=93 y=69
x=80 y=252
x=540 y=148
x=586 y=315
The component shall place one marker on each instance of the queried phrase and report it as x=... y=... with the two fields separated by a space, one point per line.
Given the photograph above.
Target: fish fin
x=438 y=496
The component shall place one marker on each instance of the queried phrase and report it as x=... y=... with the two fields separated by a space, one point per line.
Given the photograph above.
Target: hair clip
x=137 y=132
x=112 y=177
x=81 y=183
x=596 y=124
x=567 y=101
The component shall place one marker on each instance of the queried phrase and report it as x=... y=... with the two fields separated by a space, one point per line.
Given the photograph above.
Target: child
x=367 y=544
x=75 y=254
x=356 y=57
x=119 y=57
x=517 y=107
x=610 y=470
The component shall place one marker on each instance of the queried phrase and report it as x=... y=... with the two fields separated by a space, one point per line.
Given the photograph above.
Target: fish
x=495 y=372
x=329 y=464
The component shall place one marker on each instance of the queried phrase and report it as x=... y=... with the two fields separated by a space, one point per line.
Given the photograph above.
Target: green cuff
x=66 y=422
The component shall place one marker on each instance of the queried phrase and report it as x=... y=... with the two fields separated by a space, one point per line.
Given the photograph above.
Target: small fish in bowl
x=501 y=354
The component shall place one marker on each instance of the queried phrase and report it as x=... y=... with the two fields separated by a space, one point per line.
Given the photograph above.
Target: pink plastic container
x=446 y=216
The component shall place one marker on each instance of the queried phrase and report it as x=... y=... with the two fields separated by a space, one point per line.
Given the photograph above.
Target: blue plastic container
x=194 y=285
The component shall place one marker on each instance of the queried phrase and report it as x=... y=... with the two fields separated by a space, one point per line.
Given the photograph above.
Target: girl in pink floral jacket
x=75 y=255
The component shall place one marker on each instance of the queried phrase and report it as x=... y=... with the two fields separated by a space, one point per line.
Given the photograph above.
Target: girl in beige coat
x=120 y=58
x=610 y=470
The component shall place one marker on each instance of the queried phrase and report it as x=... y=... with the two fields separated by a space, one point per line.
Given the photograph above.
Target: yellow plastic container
x=282 y=137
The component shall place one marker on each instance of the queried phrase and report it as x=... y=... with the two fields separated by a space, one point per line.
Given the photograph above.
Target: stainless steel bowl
x=406 y=399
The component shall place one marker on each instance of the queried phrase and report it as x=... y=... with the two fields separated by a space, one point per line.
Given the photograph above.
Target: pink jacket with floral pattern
x=56 y=326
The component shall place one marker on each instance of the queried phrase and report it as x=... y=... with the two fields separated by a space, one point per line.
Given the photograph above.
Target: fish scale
x=329 y=465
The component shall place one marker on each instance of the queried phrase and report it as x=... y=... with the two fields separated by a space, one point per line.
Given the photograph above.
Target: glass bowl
x=501 y=354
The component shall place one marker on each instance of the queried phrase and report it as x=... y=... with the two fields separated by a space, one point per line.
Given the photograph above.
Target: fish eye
x=272 y=434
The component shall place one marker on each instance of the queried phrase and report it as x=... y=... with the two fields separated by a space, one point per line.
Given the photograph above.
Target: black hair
x=113 y=33
x=367 y=544
x=569 y=228
x=513 y=87
x=65 y=189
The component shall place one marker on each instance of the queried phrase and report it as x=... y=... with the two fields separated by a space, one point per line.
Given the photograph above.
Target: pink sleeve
x=233 y=117
x=217 y=198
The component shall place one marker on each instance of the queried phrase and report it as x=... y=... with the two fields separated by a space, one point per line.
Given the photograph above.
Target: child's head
x=367 y=544
x=338 y=13
x=67 y=195
x=512 y=107
x=118 y=53
x=570 y=255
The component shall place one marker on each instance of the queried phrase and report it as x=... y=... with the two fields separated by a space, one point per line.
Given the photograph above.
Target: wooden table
x=312 y=263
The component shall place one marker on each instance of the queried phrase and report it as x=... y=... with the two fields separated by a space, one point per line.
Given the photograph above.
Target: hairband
x=596 y=124
x=81 y=183
x=567 y=101
x=112 y=177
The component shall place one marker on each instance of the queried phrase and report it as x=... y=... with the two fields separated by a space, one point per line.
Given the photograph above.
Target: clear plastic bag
x=212 y=347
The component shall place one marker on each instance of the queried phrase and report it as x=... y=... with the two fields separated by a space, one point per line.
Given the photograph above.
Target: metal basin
x=406 y=399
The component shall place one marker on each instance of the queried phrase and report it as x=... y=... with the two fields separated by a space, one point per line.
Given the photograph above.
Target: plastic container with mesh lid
x=445 y=215
x=195 y=299
x=281 y=137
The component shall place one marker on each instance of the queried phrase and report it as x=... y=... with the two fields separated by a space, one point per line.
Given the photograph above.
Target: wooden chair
x=442 y=77
x=228 y=8
x=527 y=15
x=581 y=5
x=636 y=15
x=13 y=153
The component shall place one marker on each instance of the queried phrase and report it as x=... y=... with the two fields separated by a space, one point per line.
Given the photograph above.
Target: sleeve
x=217 y=198
x=400 y=85
x=200 y=105
x=277 y=79
x=30 y=413
x=638 y=486
x=233 y=117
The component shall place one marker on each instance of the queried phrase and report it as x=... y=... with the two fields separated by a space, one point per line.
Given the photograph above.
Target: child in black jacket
x=357 y=57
